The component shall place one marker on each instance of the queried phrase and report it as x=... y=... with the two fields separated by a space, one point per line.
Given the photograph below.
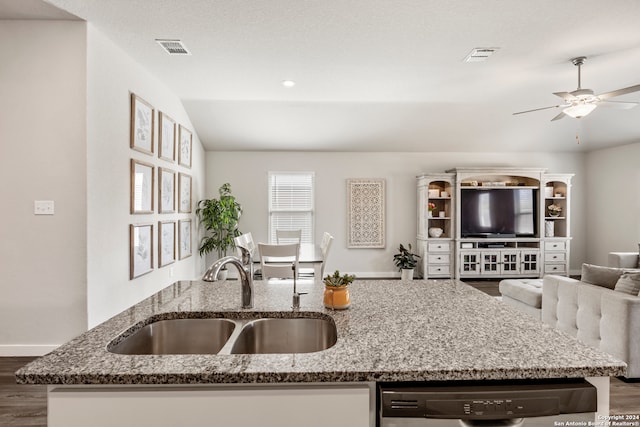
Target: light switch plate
x=43 y=207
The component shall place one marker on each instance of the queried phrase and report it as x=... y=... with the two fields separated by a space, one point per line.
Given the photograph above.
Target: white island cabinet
x=241 y=405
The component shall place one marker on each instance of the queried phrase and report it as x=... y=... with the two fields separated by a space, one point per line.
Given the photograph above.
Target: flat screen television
x=498 y=212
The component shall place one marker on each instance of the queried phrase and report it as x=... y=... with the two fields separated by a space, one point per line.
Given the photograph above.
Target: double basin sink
x=229 y=336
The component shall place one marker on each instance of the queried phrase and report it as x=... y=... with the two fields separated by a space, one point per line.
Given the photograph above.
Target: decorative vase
x=430 y=214
x=222 y=274
x=554 y=214
x=549 y=228
x=337 y=297
x=435 y=232
x=406 y=274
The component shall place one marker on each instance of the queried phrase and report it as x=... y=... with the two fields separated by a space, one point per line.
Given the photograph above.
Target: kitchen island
x=432 y=330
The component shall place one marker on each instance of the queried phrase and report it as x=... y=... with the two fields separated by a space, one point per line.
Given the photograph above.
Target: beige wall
x=112 y=75
x=613 y=207
x=247 y=173
x=43 y=260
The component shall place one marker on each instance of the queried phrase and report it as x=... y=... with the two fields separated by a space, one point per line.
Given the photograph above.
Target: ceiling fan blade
x=565 y=95
x=619 y=92
x=621 y=105
x=559 y=116
x=536 y=109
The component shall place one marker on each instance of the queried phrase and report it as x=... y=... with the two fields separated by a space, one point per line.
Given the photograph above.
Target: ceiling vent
x=480 y=54
x=173 y=47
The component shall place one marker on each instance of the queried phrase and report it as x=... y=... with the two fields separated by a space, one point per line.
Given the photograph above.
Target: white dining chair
x=325 y=245
x=279 y=261
x=245 y=242
x=288 y=236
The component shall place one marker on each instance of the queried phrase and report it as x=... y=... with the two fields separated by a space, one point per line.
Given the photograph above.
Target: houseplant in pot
x=336 y=290
x=406 y=261
x=219 y=217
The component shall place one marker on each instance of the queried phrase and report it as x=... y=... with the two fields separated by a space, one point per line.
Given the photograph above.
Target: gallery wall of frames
x=160 y=180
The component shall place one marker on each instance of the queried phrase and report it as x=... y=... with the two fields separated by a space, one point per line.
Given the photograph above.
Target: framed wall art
x=142 y=187
x=166 y=243
x=142 y=120
x=184 y=238
x=141 y=250
x=166 y=190
x=184 y=149
x=366 y=213
x=167 y=139
x=184 y=189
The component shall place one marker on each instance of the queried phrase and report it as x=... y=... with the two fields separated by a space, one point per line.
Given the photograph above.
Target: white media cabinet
x=449 y=254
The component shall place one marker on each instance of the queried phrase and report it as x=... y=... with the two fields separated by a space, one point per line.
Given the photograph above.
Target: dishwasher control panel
x=486 y=400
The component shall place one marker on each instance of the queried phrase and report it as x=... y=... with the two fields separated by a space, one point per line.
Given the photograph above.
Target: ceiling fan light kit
x=581 y=102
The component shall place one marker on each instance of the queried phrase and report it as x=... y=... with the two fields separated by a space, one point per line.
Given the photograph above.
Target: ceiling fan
x=581 y=102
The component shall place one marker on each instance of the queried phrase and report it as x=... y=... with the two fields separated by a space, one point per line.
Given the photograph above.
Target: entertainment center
x=493 y=223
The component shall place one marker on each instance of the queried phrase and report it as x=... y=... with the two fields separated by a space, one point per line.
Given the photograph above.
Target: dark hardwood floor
x=20 y=405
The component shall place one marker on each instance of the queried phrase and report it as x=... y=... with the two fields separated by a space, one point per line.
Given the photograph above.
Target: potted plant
x=219 y=217
x=406 y=261
x=432 y=207
x=336 y=290
x=554 y=210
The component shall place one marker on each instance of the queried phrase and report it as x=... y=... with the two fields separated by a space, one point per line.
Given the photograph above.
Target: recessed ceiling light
x=288 y=83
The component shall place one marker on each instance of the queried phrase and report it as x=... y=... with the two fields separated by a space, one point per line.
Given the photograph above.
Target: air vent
x=173 y=47
x=480 y=54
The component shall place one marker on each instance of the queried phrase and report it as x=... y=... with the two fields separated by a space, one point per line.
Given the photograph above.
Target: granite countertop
x=394 y=331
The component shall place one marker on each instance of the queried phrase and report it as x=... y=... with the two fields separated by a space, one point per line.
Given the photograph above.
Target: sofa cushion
x=601 y=276
x=629 y=283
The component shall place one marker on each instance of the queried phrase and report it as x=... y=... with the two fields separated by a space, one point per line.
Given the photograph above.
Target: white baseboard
x=16 y=350
x=374 y=275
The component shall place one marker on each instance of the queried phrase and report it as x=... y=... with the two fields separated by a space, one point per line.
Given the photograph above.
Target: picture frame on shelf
x=140 y=250
x=166 y=243
x=184 y=190
x=167 y=137
x=142 y=187
x=166 y=190
x=184 y=238
x=142 y=121
x=184 y=150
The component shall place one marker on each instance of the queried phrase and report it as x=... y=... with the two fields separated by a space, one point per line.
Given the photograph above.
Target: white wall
x=247 y=173
x=42 y=133
x=613 y=206
x=112 y=76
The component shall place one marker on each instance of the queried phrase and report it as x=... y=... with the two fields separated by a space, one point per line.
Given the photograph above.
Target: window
x=291 y=203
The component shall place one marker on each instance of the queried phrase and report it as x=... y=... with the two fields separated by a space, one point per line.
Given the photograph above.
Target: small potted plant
x=432 y=207
x=406 y=261
x=336 y=290
x=554 y=210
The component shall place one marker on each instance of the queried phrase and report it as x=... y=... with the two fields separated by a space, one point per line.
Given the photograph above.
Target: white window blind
x=291 y=203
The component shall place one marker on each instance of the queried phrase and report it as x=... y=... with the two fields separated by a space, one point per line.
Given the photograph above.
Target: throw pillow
x=629 y=283
x=601 y=276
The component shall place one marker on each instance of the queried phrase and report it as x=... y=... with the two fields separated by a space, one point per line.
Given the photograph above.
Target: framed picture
x=366 y=213
x=142 y=115
x=166 y=190
x=166 y=243
x=167 y=140
x=184 y=150
x=184 y=238
x=141 y=250
x=142 y=182
x=184 y=188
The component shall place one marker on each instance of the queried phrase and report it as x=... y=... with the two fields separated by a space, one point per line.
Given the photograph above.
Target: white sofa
x=624 y=259
x=596 y=315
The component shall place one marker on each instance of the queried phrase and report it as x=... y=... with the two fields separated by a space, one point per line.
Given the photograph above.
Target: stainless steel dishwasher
x=487 y=403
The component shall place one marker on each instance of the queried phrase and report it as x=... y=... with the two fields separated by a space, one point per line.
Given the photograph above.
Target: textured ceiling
x=382 y=75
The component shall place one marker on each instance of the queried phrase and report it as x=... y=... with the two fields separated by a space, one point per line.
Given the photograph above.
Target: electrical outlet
x=43 y=207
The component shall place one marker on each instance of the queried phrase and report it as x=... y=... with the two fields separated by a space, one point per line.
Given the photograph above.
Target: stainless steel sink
x=297 y=335
x=229 y=336
x=178 y=336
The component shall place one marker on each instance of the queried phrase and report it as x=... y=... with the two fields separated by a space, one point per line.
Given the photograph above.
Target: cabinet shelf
x=554 y=217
